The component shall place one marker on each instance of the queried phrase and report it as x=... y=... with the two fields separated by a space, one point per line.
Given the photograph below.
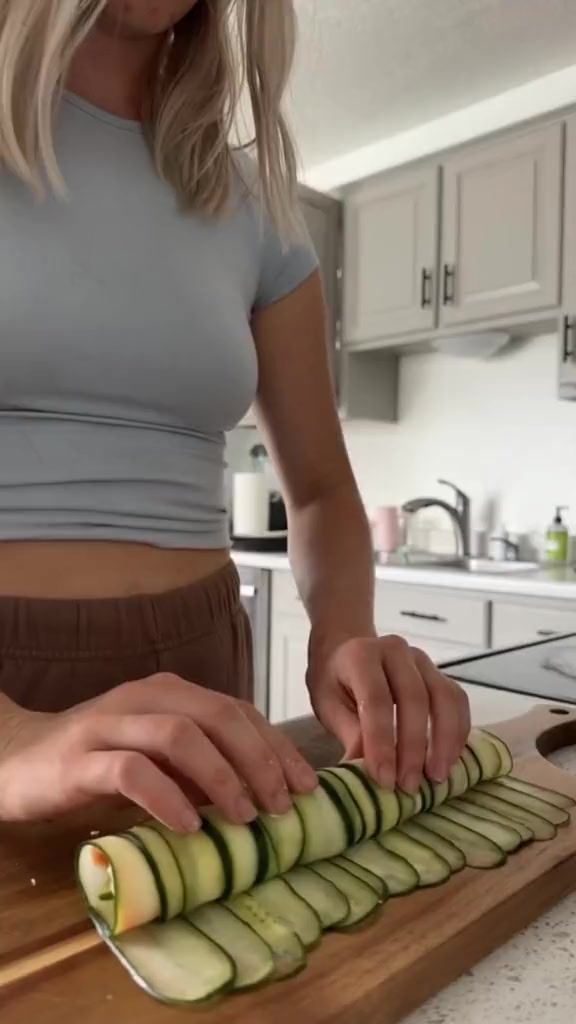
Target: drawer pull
x=546 y=632
x=423 y=615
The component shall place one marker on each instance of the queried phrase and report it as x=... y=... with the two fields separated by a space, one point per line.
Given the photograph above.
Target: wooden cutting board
x=417 y=945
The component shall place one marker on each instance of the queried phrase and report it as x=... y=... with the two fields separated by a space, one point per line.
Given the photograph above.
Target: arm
x=355 y=678
x=330 y=545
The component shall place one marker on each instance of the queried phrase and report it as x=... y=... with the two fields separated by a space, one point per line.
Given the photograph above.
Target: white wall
x=496 y=428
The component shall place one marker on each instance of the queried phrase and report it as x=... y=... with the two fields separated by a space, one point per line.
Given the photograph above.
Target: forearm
x=332 y=561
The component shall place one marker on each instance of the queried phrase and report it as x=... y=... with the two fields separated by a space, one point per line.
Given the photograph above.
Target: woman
x=139 y=315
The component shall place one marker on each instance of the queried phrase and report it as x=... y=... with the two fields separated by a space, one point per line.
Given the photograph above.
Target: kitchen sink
x=478 y=566
x=492 y=568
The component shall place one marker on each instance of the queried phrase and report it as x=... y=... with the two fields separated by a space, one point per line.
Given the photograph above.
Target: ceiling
x=367 y=69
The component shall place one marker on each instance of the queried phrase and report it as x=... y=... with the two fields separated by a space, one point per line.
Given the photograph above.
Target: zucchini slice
x=287 y=950
x=397 y=874
x=428 y=865
x=286 y=833
x=325 y=825
x=174 y=962
x=458 y=780
x=364 y=796
x=268 y=864
x=335 y=784
x=427 y=795
x=283 y=902
x=445 y=849
x=326 y=900
x=506 y=760
x=243 y=849
x=366 y=876
x=410 y=804
x=541 y=828
x=252 y=959
x=487 y=754
x=387 y=799
x=505 y=836
x=160 y=852
x=531 y=789
x=362 y=900
x=118 y=883
x=441 y=792
x=555 y=815
x=479 y=851
x=467 y=806
x=205 y=875
x=473 y=769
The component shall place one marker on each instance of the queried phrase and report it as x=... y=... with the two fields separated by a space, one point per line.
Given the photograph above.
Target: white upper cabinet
x=567 y=337
x=501 y=227
x=391 y=244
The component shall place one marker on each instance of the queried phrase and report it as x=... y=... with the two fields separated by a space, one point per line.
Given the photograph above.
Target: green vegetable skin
x=322 y=881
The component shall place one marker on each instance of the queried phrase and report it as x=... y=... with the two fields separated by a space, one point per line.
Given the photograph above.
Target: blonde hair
x=219 y=48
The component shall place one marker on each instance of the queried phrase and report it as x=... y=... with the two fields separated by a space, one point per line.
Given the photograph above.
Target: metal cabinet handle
x=448 y=293
x=423 y=615
x=426 y=288
x=546 y=632
x=567 y=337
x=248 y=590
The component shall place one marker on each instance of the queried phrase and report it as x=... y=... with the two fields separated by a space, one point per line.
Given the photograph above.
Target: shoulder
x=284 y=263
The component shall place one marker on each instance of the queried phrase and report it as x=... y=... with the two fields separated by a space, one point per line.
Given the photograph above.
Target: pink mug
x=386 y=526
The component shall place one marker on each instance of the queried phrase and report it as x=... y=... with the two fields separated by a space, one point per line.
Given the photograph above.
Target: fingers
x=134 y=776
x=449 y=715
x=376 y=715
x=412 y=710
x=337 y=711
x=177 y=742
x=299 y=775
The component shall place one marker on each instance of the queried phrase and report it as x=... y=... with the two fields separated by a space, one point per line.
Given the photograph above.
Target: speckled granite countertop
x=530 y=980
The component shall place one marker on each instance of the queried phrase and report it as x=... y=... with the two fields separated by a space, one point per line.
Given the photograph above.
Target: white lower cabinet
x=288 y=696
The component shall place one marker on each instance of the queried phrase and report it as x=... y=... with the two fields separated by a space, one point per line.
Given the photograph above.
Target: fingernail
x=245 y=809
x=411 y=783
x=191 y=821
x=306 y=778
x=439 y=774
x=281 y=803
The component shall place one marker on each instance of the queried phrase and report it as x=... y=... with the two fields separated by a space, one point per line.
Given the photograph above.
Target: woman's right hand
x=165 y=744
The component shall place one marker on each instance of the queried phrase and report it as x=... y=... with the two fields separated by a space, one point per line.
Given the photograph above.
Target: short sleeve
x=283 y=265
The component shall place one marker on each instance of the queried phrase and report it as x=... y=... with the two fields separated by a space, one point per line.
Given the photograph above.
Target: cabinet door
x=567 y=356
x=323 y=216
x=288 y=696
x=515 y=623
x=390 y=255
x=501 y=228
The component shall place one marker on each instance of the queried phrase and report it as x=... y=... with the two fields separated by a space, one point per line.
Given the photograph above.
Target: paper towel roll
x=250 y=504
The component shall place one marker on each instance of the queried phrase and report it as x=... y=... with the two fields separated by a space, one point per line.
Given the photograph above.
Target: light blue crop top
x=125 y=345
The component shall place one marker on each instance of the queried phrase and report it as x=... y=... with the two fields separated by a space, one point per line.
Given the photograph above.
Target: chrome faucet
x=459 y=513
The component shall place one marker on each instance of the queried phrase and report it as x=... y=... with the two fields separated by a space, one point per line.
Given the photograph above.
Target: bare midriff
x=94 y=569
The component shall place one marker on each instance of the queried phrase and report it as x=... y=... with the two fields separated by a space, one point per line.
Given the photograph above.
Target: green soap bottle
x=557 y=537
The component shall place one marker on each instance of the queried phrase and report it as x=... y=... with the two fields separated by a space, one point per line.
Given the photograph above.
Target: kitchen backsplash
x=495 y=428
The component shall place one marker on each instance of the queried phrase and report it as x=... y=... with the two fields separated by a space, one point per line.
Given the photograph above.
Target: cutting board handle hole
x=558 y=711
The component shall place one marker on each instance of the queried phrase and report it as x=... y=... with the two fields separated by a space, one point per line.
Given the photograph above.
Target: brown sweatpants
x=57 y=653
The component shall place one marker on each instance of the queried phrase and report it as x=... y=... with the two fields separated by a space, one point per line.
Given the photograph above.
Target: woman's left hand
x=387 y=701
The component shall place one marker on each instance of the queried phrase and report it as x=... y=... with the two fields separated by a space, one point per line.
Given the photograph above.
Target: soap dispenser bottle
x=557 y=538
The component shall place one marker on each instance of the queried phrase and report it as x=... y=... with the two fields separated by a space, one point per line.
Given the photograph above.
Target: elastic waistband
x=44 y=628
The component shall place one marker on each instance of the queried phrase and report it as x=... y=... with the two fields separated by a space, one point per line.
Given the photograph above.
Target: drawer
x=285 y=597
x=519 y=623
x=459 y=618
